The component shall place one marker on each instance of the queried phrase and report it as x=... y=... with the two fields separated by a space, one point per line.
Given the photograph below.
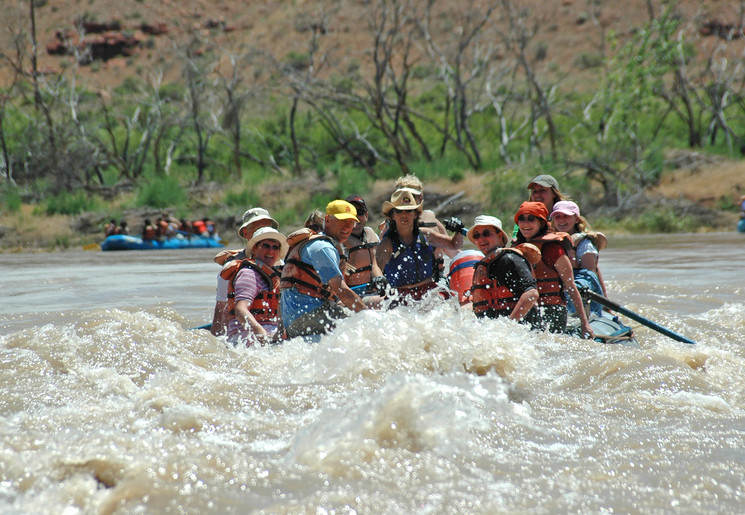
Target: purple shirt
x=248 y=284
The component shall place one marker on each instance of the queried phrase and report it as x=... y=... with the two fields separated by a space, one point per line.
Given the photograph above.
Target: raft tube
x=125 y=242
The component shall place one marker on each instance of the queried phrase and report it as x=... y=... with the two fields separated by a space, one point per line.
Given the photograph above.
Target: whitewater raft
x=125 y=242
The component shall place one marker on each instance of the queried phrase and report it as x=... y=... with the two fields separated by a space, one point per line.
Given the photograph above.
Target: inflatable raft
x=125 y=242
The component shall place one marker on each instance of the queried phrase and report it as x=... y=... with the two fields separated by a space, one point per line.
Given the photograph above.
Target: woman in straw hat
x=405 y=255
x=554 y=271
x=252 y=220
x=503 y=282
x=253 y=289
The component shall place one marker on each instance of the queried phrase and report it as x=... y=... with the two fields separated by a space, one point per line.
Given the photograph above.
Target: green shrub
x=171 y=92
x=242 y=198
x=661 y=220
x=10 y=200
x=161 y=192
x=589 y=60
x=297 y=60
x=62 y=242
x=65 y=203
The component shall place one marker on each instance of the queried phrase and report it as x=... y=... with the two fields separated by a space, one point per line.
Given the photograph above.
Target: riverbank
x=703 y=190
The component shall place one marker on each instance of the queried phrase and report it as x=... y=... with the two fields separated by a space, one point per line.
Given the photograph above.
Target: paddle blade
x=92 y=246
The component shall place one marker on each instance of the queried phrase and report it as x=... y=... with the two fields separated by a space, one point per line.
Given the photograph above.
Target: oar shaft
x=635 y=316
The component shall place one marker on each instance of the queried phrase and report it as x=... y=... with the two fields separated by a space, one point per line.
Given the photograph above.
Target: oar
x=634 y=316
x=207 y=327
x=92 y=246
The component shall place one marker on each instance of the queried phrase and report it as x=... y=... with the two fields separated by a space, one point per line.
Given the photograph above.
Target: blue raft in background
x=125 y=242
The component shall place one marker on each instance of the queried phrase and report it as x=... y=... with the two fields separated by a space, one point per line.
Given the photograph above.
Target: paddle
x=92 y=246
x=634 y=316
x=205 y=326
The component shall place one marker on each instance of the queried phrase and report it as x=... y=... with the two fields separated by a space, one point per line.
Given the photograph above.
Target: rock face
x=722 y=30
x=102 y=40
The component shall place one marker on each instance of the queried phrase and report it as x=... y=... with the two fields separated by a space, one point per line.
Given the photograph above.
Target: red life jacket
x=300 y=275
x=550 y=287
x=198 y=227
x=490 y=295
x=265 y=307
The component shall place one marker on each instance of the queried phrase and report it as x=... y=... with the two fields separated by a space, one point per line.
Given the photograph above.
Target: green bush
x=161 y=192
x=661 y=220
x=589 y=60
x=10 y=200
x=65 y=203
x=243 y=198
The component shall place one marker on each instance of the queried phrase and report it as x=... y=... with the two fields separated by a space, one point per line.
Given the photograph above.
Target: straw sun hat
x=403 y=200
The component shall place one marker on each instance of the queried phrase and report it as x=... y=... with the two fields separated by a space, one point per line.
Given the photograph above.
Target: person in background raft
x=406 y=255
x=364 y=275
x=123 y=228
x=149 y=231
x=586 y=247
x=314 y=294
x=110 y=228
x=253 y=219
x=503 y=282
x=253 y=289
x=553 y=272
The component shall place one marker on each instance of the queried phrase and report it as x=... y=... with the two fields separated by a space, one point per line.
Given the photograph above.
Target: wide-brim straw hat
x=488 y=221
x=268 y=233
x=403 y=200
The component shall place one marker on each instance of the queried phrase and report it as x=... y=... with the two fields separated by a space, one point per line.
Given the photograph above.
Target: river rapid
x=110 y=404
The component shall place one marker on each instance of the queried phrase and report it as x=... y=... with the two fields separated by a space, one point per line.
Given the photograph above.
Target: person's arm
x=524 y=304
x=444 y=241
x=563 y=267
x=383 y=253
x=244 y=316
x=515 y=273
x=588 y=257
x=602 y=282
x=219 y=318
x=345 y=294
x=589 y=261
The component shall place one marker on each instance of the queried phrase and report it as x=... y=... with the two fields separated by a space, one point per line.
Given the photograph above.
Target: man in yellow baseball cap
x=314 y=295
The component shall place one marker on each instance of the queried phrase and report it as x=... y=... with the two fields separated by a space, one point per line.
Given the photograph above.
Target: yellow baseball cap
x=342 y=210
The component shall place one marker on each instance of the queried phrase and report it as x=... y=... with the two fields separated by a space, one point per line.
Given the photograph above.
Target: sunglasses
x=484 y=234
x=529 y=218
x=270 y=246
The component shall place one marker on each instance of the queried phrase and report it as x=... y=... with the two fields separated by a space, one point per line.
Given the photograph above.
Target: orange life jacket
x=365 y=247
x=265 y=307
x=550 y=287
x=300 y=275
x=198 y=227
x=226 y=255
x=149 y=233
x=490 y=295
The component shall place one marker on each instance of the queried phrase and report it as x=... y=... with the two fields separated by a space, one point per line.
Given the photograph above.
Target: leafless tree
x=521 y=30
x=203 y=113
x=465 y=63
